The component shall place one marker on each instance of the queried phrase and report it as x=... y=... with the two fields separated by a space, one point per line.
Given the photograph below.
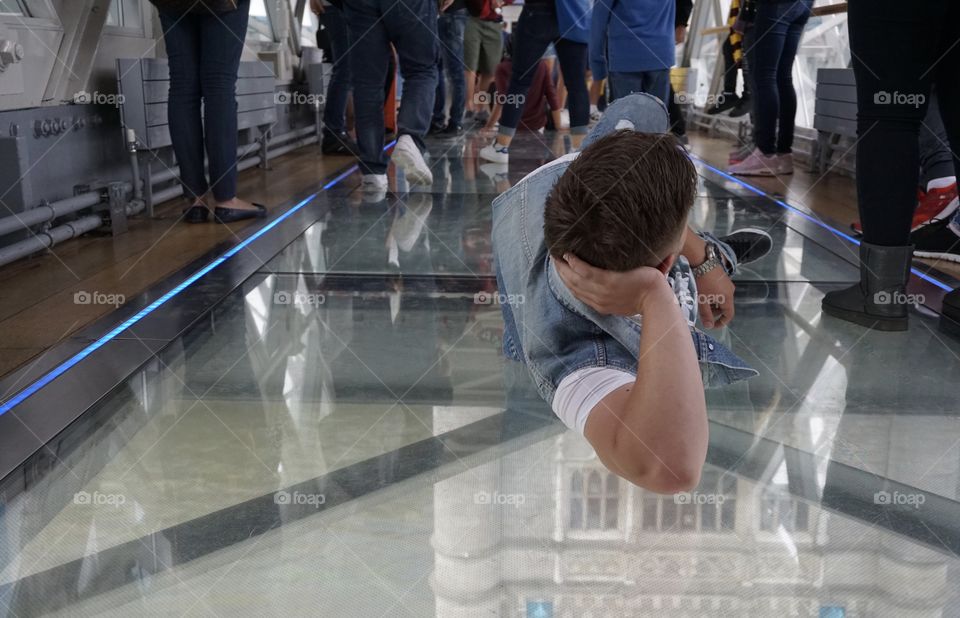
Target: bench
x=835 y=113
x=143 y=84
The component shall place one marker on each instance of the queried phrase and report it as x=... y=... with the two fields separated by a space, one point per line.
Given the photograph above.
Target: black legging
x=899 y=51
x=535 y=30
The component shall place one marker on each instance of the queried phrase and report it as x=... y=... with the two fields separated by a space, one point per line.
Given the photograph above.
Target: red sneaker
x=935 y=204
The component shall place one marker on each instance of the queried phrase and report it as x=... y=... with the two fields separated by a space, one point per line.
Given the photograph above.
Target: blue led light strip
x=66 y=365
x=808 y=217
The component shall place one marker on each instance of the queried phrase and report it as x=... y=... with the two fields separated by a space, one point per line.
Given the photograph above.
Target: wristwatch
x=712 y=261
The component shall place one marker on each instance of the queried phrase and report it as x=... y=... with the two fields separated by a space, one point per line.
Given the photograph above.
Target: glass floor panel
x=340 y=436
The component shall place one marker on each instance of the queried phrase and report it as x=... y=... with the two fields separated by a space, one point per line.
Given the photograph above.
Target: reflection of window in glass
x=12 y=7
x=711 y=507
x=259 y=28
x=594 y=500
x=114 y=17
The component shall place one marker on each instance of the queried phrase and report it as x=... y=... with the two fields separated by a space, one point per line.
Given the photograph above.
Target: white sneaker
x=757 y=164
x=495 y=153
x=374 y=187
x=409 y=158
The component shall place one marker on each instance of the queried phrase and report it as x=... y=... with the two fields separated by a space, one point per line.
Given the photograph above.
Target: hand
x=316 y=6
x=715 y=298
x=680 y=34
x=610 y=292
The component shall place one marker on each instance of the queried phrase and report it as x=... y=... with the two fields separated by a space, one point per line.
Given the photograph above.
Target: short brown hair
x=621 y=203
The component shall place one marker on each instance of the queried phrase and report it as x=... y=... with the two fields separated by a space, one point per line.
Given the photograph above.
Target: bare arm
x=654 y=432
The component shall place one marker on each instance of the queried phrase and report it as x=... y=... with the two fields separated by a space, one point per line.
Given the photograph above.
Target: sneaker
x=757 y=164
x=338 y=144
x=495 y=153
x=374 y=187
x=937 y=240
x=749 y=244
x=407 y=156
x=929 y=209
x=743 y=107
x=481 y=118
x=594 y=113
x=784 y=164
x=726 y=101
x=436 y=128
x=937 y=203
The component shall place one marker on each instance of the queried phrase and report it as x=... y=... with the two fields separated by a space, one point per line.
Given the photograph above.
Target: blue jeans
x=777 y=30
x=535 y=30
x=204 y=55
x=338 y=89
x=450 y=27
x=411 y=27
x=656 y=83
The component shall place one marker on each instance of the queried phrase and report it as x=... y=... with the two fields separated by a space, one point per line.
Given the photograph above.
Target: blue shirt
x=631 y=36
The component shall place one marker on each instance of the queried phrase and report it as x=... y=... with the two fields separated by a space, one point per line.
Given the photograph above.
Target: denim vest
x=549 y=329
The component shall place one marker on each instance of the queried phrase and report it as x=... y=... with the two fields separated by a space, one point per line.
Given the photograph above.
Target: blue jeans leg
x=338 y=89
x=204 y=56
x=535 y=30
x=777 y=31
x=371 y=51
x=440 y=99
x=412 y=28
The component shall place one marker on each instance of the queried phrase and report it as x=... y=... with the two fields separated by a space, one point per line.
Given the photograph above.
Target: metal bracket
x=264 y=140
x=117 y=199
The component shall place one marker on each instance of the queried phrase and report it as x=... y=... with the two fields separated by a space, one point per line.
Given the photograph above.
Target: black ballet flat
x=229 y=215
x=196 y=214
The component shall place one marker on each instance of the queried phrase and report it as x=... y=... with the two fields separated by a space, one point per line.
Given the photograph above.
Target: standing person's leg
x=182 y=37
x=572 y=57
x=223 y=38
x=491 y=51
x=936 y=160
x=335 y=137
x=728 y=98
x=370 y=50
x=532 y=34
x=453 y=25
x=768 y=38
x=471 y=60
x=785 y=90
x=893 y=84
x=412 y=25
x=439 y=120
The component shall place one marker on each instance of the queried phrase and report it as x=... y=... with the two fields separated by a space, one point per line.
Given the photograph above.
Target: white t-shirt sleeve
x=581 y=391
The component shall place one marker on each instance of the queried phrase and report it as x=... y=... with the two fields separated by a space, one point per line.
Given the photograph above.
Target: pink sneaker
x=784 y=164
x=757 y=164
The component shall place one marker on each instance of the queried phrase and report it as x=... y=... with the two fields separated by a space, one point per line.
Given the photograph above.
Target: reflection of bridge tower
x=467 y=530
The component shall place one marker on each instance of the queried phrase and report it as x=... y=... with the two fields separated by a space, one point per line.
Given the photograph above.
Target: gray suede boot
x=879 y=300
